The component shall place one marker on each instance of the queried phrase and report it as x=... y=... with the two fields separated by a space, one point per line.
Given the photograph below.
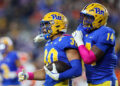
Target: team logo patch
x=99 y=11
x=54 y=16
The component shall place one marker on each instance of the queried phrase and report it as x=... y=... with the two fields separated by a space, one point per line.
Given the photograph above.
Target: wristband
x=30 y=75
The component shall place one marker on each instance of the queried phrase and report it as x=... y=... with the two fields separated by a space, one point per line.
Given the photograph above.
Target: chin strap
x=87 y=29
x=47 y=36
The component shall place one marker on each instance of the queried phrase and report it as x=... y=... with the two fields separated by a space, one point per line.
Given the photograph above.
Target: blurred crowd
x=19 y=19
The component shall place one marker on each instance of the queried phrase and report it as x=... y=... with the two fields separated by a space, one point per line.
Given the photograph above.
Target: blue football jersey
x=103 y=70
x=54 y=51
x=8 y=65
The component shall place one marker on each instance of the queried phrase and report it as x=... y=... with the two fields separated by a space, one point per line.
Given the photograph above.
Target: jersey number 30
x=51 y=55
x=6 y=71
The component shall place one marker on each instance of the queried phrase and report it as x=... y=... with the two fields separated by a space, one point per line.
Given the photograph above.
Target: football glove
x=39 y=38
x=22 y=76
x=53 y=74
x=78 y=37
x=12 y=75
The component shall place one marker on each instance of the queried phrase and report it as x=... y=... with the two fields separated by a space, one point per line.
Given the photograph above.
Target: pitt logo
x=98 y=11
x=56 y=17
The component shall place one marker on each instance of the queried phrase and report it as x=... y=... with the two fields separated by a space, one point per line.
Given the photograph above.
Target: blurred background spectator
x=19 y=19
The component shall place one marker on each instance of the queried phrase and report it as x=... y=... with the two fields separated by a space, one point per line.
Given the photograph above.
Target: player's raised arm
x=98 y=50
x=88 y=56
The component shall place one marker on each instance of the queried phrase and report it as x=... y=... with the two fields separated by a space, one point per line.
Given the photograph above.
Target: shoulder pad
x=67 y=42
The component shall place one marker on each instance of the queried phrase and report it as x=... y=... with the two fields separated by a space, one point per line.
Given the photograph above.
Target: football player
x=10 y=63
x=59 y=47
x=96 y=43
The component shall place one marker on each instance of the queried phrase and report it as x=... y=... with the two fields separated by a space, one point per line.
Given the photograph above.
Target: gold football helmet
x=6 y=44
x=53 y=23
x=94 y=16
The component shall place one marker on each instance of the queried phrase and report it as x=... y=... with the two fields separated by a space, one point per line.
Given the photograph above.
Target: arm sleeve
x=74 y=71
x=104 y=41
x=88 y=56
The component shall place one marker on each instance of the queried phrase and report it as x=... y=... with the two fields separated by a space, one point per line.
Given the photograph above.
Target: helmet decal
x=56 y=17
x=101 y=12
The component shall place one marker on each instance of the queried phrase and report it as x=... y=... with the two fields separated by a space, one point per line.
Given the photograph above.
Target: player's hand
x=39 y=38
x=22 y=76
x=78 y=37
x=53 y=74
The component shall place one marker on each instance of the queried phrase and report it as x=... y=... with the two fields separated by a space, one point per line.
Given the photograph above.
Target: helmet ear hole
x=58 y=31
x=57 y=26
x=92 y=4
x=100 y=21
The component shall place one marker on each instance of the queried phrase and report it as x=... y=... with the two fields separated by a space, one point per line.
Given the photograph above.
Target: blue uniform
x=54 y=51
x=8 y=65
x=103 y=70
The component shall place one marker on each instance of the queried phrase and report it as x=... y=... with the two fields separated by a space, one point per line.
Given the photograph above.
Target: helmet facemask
x=3 y=48
x=45 y=28
x=86 y=21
